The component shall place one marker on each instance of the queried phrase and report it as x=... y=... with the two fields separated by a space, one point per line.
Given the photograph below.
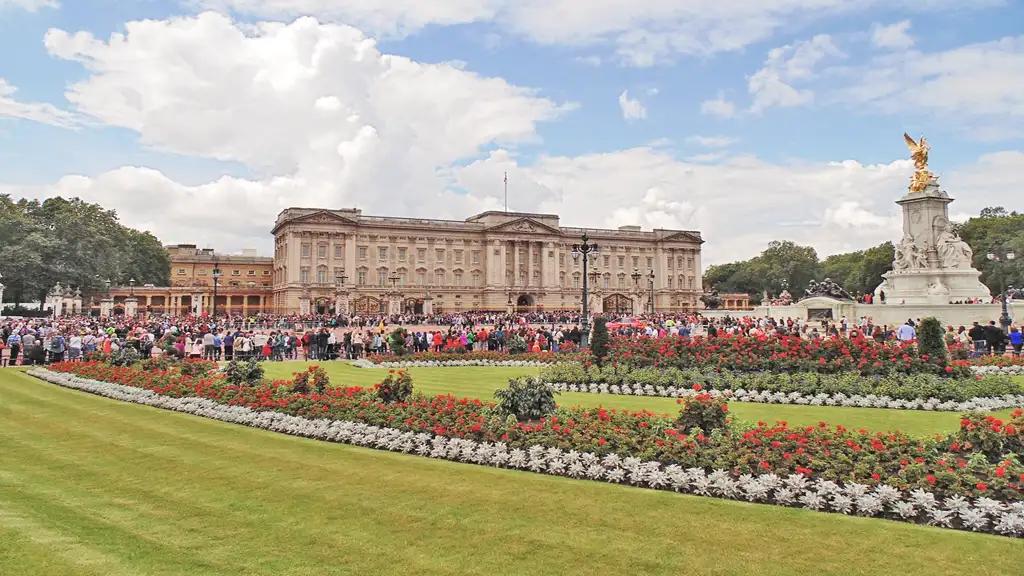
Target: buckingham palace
x=342 y=261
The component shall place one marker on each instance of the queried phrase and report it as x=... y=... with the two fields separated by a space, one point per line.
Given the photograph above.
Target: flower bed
x=917 y=389
x=363 y=363
x=980 y=404
x=485 y=358
x=1000 y=360
x=780 y=354
x=936 y=482
x=1010 y=370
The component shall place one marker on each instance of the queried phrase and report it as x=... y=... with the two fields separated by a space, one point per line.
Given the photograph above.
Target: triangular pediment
x=524 y=226
x=318 y=217
x=683 y=235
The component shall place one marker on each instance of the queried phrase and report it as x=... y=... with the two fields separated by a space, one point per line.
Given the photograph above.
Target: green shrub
x=397 y=387
x=600 y=342
x=397 y=341
x=930 y=341
x=314 y=378
x=527 y=398
x=197 y=368
x=516 y=345
x=248 y=373
x=125 y=356
x=702 y=412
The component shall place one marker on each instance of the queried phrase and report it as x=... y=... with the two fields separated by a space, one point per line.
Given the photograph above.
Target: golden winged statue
x=919 y=153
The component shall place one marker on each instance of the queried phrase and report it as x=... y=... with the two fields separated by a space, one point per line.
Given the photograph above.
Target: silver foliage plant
x=402 y=364
x=990 y=404
x=884 y=501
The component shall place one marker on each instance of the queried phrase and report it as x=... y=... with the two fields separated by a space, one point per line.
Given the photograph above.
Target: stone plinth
x=131 y=306
x=932 y=265
x=107 y=307
x=890 y=314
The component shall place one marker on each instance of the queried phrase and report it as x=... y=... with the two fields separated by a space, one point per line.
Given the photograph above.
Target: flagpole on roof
x=506 y=191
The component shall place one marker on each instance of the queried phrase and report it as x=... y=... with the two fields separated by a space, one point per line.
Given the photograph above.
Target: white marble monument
x=932 y=264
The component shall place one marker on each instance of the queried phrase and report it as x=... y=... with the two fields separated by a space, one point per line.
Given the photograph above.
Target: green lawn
x=94 y=486
x=480 y=382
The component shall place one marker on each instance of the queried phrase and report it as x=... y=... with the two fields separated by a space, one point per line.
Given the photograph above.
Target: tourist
x=995 y=339
x=1016 y=340
x=907 y=333
x=978 y=338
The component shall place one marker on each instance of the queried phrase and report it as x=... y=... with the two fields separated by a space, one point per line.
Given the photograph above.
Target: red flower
x=1000 y=472
x=930 y=478
x=697 y=387
x=875 y=476
x=725 y=408
x=766 y=465
x=981 y=486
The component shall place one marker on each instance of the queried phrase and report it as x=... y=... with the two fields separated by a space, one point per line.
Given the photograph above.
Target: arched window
x=321 y=274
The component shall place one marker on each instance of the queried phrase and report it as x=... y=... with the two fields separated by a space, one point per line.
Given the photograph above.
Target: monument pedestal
x=932 y=265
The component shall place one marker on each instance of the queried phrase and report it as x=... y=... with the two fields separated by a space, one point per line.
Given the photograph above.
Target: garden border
x=980 y=404
x=884 y=501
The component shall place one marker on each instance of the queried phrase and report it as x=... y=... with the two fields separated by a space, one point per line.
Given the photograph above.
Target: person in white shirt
x=74 y=347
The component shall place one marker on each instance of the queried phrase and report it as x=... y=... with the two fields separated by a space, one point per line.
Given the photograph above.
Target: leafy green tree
x=72 y=242
x=995 y=227
x=600 y=341
x=930 y=341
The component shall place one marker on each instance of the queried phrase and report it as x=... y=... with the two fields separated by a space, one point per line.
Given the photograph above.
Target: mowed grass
x=481 y=382
x=95 y=486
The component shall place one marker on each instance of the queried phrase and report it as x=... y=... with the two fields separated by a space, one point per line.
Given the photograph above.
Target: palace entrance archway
x=369 y=305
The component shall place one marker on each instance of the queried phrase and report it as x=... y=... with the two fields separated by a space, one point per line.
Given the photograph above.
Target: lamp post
x=650 y=289
x=339 y=288
x=636 y=276
x=131 y=290
x=588 y=251
x=1004 y=257
x=216 y=280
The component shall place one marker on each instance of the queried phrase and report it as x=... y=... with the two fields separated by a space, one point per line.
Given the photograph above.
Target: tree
x=75 y=243
x=600 y=341
x=995 y=227
x=860 y=272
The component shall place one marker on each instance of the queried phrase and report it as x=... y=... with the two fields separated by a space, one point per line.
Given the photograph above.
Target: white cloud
x=772 y=85
x=30 y=5
x=632 y=108
x=712 y=141
x=593 y=61
x=35 y=111
x=644 y=32
x=979 y=87
x=893 y=36
x=324 y=119
x=718 y=107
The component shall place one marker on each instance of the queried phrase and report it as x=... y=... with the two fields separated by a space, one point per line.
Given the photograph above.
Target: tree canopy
x=861 y=272
x=75 y=243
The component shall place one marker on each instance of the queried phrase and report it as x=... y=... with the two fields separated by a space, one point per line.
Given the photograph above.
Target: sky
x=748 y=120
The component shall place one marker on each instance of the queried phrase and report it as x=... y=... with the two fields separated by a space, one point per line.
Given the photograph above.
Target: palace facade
x=245 y=285
x=343 y=261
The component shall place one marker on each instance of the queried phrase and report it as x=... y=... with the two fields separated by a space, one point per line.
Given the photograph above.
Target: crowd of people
x=29 y=341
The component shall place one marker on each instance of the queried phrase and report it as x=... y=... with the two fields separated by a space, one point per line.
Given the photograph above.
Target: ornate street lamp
x=339 y=288
x=1003 y=257
x=588 y=251
x=131 y=291
x=650 y=289
x=107 y=284
x=216 y=280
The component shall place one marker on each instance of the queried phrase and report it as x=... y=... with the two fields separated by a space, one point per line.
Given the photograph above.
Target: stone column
x=303 y=304
x=131 y=307
x=197 y=303
x=76 y=305
x=106 y=306
x=428 y=305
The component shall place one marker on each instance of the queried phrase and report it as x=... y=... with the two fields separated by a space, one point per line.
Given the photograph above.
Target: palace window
x=439 y=256
x=321 y=274
x=576 y=280
x=536 y=278
x=636 y=261
x=671 y=260
x=202 y=271
x=458 y=279
x=650 y=262
x=362 y=252
x=476 y=279
x=421 y=254
x=382 y=253
x=321 y=251
x=305 y=250
x=522 y=277
x=669 y=282
x=522 y=256
x=607 y=261
x=439 y=278
x=622 y=281
x=561 y=279
x=402 y=252
x=338 y=248
x=304 y=275
x=458 y=256
x=382 y=276
x=236 y=272
x=250 y=273
x=536 y=257
x=622 y=261
x=607 y=281
x=421 y=278
x=691 y=282
x=475 y=255
x=689 y=263
x=338 y=272
x=266 y=272
x=361 y=277
x=181 y=271
x=561 y=258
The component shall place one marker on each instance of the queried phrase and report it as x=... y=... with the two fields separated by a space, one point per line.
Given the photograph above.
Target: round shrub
x=526 y=398
x=397 y=387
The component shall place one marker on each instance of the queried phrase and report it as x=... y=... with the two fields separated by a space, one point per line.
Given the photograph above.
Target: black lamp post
x=1004 y=257
x=650 y=289
x=131 y=290
x=636 y=276
x=216 y=280
x=588 y=251
x=107 y=284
